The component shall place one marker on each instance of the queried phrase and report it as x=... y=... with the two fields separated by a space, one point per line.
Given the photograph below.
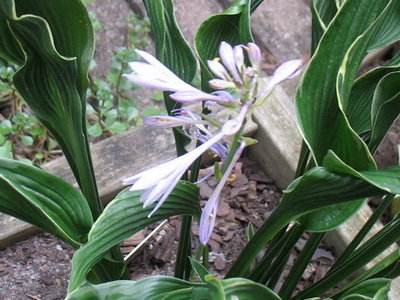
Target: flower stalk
x=224 y=138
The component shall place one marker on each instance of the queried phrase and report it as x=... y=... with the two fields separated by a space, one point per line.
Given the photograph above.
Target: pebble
x=219 y=263
x=240 y=181
x=228 y=236
x=205 y=190
x=215 y=246
x=230 y=217
x=223 y=209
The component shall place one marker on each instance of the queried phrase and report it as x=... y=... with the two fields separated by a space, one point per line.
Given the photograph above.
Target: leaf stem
x=183 y=267
x=300 y=265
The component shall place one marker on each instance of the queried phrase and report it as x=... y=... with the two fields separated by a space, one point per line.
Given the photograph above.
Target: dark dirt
x=38 y=268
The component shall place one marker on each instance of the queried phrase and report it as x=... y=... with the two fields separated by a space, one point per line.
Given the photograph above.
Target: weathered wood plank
x=114 y=159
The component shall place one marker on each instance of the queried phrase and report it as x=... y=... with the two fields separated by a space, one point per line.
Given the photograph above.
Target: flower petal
x=155 y=75
x=194 y=96
x=169 y=122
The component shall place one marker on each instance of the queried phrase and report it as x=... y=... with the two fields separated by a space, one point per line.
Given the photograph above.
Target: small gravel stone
x=219 y=263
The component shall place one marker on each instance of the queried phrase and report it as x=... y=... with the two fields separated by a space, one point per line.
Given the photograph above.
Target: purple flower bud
x=254 y=53
x=228 y=58
x=218 y=69
x=220 y=84
x=239 y=57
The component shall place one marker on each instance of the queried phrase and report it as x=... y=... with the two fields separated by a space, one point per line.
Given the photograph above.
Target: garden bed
x=38 y=267
x=117 y=158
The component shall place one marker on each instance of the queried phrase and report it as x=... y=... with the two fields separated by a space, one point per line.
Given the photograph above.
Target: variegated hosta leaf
x=171 y=46
x=163 y=287
x=359 y=105
x=318 y=188
x=323 y=12
x=57 y=41
x=44 y=200
x=231 y=26
x=321 y=104
x=125 y=216
x=173 y=50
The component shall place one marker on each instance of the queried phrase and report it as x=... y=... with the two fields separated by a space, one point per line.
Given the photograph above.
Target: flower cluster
x=233 y=74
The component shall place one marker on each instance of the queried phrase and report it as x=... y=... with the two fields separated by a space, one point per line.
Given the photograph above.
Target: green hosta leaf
x=374 y=289
x=232 y=26
x=125 y=216
x=71 y=29
x=57 y=39
x=388 y=32
x=200 y=270
x=321 y=112
x=44 y=200
x=172 y=50
x=163 y=287
x=171 y=47
x=244 y=289
x=378 y=32
x=386 y=179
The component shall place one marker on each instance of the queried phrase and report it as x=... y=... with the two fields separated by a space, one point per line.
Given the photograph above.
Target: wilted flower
x=209 y=213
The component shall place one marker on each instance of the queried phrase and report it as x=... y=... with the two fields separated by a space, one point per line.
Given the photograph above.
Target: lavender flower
x=158 y=182
x=285 y=71
x=154 y=74
x=232 y=72
x=181 y=117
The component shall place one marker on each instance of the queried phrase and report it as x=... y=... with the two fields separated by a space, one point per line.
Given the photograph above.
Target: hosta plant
x=342 y=117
